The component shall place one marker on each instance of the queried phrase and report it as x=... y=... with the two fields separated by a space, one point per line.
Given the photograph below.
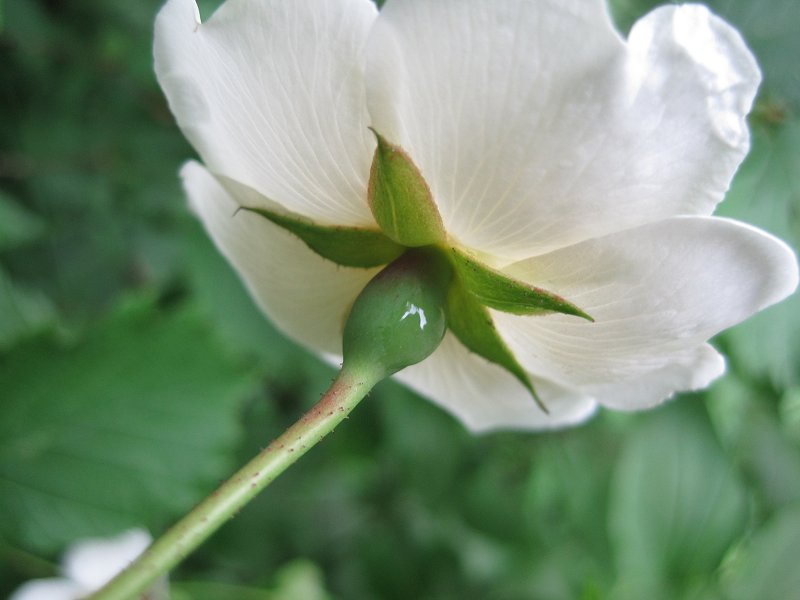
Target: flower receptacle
x=399 y=318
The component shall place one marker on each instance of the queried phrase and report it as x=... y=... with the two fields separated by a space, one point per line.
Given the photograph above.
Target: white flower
x=555 y=150
x=87 y=566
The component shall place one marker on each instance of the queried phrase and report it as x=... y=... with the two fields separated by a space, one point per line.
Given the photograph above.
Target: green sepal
x=504 y=293
x=400 y=198
x=473 y=326
x=398 y=319
x=346 y=246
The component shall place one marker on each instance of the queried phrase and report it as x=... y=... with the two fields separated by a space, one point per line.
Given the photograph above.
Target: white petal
x=305 y=295
x=657 y=292
x=271 y=94
x=483 y=396
x=49 y=589
x=537 y=127
x=693 y=369
x=93 y=562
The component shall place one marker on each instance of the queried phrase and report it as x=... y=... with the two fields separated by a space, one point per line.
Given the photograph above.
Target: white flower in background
x=555 y=151
x=87 y=566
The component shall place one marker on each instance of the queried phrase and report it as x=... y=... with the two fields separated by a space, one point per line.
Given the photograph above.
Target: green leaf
x=22 y=312
x=767 y=567
x=676 y=504
x=501 y=292
x=790 y=414
x=300 y=579
x=748 y=424
x=400 y=198
x=17 y=225
x=130 y=426
x=473 y=326
x=346 y=246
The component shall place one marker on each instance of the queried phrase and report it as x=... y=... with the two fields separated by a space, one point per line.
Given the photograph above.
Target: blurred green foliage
x=135 y=372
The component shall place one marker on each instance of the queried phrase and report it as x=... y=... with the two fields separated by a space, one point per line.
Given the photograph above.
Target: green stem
x=345 y=393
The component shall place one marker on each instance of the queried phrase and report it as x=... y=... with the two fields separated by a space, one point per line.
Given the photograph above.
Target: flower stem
x=346 y=391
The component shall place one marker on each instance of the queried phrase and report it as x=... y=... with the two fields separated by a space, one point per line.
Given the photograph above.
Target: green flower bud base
x=399 y=318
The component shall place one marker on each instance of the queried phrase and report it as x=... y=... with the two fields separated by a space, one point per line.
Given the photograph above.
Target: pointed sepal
x=472 y=324
x=400 y=198
x=346 y=246
x=504 y=293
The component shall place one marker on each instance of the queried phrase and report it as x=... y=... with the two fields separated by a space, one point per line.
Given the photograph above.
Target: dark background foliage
x=135 y=373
